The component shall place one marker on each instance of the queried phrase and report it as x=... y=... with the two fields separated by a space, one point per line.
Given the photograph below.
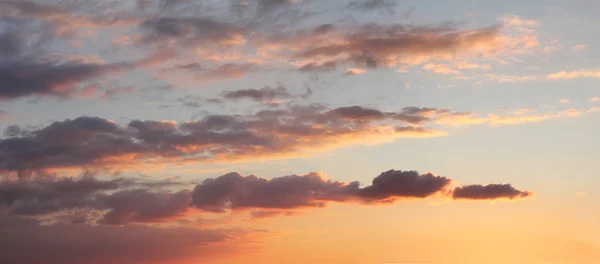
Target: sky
x=299 y=131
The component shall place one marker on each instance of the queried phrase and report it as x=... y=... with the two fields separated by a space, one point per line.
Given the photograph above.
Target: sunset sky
x=299 y=131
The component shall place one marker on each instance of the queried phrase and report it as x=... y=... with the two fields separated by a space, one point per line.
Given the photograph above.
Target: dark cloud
x=405 y=184
x=87 y=199
x=120 y=200
x=10 y=43
x=489 y=192
x=43 y=196
x=96 y=142
x=142 y=206
x=373 y=4
x=190 y=31
x=236 y=192
x=25 y=241
x=31 y=9
x=26 y=76
x=260 y=95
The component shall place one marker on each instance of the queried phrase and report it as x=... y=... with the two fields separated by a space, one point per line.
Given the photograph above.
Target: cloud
x=354 y=71
x=112 y=93
x=140 y=206
x=28 y=77
x=573 y=74
x=579 y=48
x=508 y=78
x=579 y=194
x=66 y=18
x=372 y=4
x=83 y=243
x=594 y=99
x=254 y=215
x=563 y=101
x=121 y=201
x=116 y=202
x=224 y=71
x=190 y=32
x=387 y=45
x=440 y=68
x=489 y=192
x=517 y=21
x=97 y=142
x=269 y=5
x=236 y=192
x=593 y=109
x=259 y=95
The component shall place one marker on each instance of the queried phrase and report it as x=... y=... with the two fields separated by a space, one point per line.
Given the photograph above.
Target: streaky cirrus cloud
x=574 y=74
x=388 y=45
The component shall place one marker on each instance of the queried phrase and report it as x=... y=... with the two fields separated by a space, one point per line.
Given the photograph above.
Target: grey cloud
x=264 y=94
x=189 y=31
x=275 y=196
x=83 y=243
x=92 y=141
x=141 y=205
x=30 y=76
x=489 y=192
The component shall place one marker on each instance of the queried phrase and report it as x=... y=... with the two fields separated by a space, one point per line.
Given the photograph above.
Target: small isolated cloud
x=594 y=109
x=573 y=74
x=579 y=48
x=489 y=192
x=508 y=78
x=552 y=48
x=259 y=95
x=563 y=101
x=441 y=69
x=354 y=71
x=261 y=214
x=593 y=99
x=579 y=194
x=517 y=21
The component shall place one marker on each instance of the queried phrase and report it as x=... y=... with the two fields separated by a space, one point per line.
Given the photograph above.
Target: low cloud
x=27 y=77
x=97 y=142
x=259 y=95
x=236 y=192
x=83 y=243
x=574 y=74
x=489 y=192
x=124 y=201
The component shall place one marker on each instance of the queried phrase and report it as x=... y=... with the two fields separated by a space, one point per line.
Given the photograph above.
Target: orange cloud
x=573 y=74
